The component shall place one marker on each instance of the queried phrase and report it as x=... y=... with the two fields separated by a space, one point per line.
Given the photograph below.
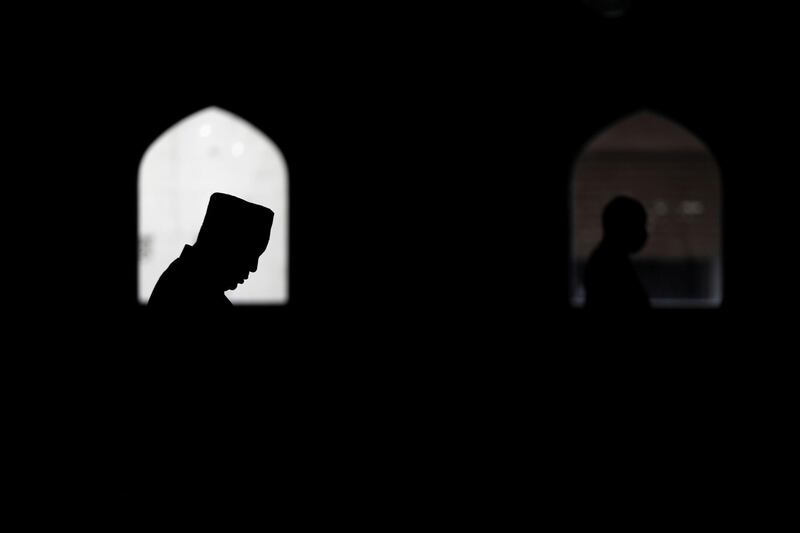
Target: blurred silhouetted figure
x=610 y=279
x=232 y=237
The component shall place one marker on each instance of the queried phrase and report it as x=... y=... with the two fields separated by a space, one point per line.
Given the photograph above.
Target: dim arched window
x=674 y=175
x=211 y=151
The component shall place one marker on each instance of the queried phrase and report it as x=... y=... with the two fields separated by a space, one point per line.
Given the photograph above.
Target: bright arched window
x=211 y=151
x=675 y=176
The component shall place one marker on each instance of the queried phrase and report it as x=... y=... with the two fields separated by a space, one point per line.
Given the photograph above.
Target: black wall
x=429 y=157
x=429 y=162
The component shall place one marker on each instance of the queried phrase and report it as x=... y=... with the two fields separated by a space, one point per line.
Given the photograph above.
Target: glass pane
x=211 y=151
x=673 y=174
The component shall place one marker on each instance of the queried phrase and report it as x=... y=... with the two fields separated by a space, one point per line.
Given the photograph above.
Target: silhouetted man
x=610 y=279
x=232 y=237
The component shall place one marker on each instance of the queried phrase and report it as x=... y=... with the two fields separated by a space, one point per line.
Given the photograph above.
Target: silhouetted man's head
x=233 y=236
x=625 y=224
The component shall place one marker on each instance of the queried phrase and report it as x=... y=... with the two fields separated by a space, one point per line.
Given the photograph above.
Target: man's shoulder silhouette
x=182 y=285
x=611 y=282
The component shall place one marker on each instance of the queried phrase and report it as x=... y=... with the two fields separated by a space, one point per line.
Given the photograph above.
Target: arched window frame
x=280 y=228
x=716 y=299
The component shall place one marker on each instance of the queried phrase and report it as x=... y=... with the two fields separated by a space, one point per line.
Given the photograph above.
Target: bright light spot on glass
x=237 y=149
x=692 y=207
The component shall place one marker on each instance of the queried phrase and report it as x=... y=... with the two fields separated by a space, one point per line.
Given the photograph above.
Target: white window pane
x=211 y=151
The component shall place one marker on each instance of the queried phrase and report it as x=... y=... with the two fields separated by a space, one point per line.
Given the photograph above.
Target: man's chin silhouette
x=232 y=237
x=610 y=279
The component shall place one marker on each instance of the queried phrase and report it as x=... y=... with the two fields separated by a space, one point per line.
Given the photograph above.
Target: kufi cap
x=229 y=218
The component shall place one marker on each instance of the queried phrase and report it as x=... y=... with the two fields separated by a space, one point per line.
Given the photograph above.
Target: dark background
x=429 y=155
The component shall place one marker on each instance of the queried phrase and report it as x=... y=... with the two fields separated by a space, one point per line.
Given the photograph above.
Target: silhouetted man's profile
x=232 y=237
x=610 y=279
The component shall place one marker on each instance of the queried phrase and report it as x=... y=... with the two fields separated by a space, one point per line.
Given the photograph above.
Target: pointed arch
x=674 y=174
x=211 y=150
